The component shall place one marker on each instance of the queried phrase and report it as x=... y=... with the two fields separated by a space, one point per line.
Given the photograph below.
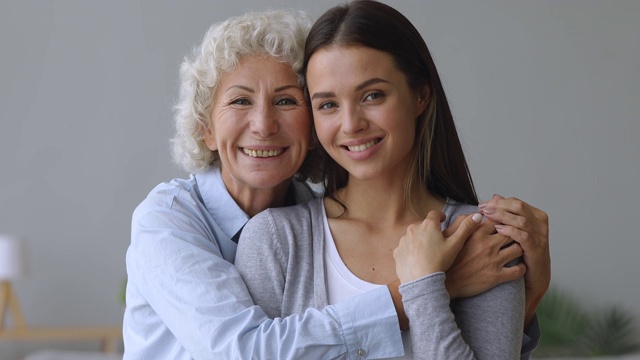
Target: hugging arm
x=529 y=226
x=480 y=265
x=486 y=326
x=174 y=266
x=276 y=263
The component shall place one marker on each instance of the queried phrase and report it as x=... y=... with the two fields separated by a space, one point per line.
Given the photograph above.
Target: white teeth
x=362 y=147
x=262 y=153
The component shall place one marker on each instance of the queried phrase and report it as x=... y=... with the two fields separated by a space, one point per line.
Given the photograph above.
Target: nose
x=353 y=121
x=264 y=121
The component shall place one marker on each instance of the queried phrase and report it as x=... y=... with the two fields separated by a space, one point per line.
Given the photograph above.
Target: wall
x=545 y=94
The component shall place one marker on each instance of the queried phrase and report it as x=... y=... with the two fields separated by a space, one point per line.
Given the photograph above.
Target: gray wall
x=546 y=96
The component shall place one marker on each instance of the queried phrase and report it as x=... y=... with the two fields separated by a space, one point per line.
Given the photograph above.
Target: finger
x=487 y=227
x=507 y=218
x=436 y=215
x=466 y=228
x=511 y=204
x=432 y=221
x=453 y=226
x=514 y=206
x=522 y=237
x=512 y=273
x=510 y=253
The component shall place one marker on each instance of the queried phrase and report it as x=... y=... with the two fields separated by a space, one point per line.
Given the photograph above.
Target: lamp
x=12 y=266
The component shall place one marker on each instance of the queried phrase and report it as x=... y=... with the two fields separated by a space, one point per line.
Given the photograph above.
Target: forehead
x=260 y=69
x=348 y=64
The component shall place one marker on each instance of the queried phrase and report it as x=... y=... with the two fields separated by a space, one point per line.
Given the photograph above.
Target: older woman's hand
x=528 y=226
x=482 y=262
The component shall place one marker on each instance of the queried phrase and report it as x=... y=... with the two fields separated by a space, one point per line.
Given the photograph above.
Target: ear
x=209 y=138
x=424 y=96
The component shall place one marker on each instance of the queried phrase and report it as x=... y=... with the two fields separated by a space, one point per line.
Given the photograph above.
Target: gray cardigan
x=281 y=259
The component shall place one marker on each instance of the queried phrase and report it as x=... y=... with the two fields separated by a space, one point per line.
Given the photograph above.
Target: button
x=362 y=353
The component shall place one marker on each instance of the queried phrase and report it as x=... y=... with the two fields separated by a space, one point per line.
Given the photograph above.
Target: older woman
x=243 y=130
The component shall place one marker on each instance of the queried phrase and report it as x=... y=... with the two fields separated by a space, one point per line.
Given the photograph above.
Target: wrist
x=531 y=305
x=451 y=288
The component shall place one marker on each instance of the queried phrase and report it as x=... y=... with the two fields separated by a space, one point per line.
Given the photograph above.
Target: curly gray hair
x=276 y=32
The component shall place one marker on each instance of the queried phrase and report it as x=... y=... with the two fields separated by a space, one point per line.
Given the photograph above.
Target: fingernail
x=488 y=211
x=482 y=205
x=477 y=218
x=499 y=227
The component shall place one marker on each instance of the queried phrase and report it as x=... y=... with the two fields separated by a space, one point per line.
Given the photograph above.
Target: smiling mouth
x=263 y=153
x=362 y=147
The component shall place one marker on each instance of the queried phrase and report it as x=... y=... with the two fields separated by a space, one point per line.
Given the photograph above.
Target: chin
x=266 y=181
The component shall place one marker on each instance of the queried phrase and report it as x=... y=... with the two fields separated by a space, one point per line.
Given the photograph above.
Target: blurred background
x=546 y=96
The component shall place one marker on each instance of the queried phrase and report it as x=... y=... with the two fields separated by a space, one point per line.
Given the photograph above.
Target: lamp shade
x=12 y=257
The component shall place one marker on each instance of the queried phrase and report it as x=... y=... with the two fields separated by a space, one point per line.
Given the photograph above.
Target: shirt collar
x=224 y=210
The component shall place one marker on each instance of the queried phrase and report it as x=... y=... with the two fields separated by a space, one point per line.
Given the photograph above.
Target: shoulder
x=173 y=204
x=288 y=228
x=289 y=219
x=453 y=209
x=165 y=194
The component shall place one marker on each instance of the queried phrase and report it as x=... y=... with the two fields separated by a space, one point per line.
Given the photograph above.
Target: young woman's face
x=364 y=110
x=260 y=124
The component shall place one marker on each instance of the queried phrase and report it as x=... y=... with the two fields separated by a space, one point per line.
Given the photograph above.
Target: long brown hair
x=438 y=159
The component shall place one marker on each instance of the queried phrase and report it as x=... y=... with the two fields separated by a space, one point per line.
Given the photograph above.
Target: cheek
x=322 y=133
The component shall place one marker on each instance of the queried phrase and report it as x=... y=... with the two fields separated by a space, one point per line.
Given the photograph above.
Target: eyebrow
x=246 y=88
x=370 y=82
x=359 y=87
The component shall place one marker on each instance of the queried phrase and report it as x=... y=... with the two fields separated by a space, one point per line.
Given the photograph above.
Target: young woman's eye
x=327 y=106
x=286 y=101
x=374 y=96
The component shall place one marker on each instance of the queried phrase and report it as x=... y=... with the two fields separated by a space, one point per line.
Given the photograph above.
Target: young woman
x=394 y=168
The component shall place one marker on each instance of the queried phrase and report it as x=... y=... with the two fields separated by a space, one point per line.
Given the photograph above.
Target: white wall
x=546 y=95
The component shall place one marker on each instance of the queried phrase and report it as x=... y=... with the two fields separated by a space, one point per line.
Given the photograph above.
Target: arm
x=528 y=226
x=434 y=331
x=482 y=265
x=276 y=264
x=203 y=301
x=487 y=326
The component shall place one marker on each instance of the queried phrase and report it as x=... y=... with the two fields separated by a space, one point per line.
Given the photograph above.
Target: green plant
x=570 y=330
x=611 y=332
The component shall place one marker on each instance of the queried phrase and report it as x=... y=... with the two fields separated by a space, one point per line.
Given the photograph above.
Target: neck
x=383 y=202
x=254 y=200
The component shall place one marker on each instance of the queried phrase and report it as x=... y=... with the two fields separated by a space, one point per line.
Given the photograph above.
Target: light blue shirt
x=186 y=300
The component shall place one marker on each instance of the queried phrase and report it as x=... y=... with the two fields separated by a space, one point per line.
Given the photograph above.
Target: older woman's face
x=260 y=124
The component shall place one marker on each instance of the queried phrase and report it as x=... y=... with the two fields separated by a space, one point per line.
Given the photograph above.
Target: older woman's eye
x=286 y=101
x=240 y=102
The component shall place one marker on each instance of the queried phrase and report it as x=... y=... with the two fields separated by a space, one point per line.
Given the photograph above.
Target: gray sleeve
x=261 y=264
x=531 y=339
x=487 y=326
x=274 y=259
x=492 y=322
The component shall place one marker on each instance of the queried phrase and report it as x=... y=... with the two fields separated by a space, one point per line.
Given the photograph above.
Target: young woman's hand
x=528 y=226
x=424 y=250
